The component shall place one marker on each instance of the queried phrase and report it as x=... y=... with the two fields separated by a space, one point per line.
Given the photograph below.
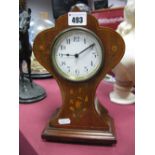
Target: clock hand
x=84 y=50
x=67 y=54
x=76 y=55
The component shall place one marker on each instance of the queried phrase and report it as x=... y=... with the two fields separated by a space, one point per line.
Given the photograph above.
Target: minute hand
x=86 y=49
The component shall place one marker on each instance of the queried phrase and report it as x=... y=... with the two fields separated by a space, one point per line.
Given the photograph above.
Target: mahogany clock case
x=89 y=120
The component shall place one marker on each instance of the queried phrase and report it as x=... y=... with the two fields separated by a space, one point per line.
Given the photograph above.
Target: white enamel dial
x=77 y=54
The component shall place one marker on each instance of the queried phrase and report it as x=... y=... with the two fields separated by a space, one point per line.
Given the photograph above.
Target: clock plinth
x=90 y=133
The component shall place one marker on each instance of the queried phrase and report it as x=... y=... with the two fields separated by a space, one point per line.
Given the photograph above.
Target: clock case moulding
x=89 y=120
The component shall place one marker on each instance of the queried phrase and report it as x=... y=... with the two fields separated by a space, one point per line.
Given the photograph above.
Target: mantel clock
x=79 y=53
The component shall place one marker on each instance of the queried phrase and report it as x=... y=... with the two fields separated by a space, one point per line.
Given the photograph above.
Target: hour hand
x=67 y=54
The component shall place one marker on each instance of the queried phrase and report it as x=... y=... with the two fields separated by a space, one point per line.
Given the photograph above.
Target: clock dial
x=77 y=54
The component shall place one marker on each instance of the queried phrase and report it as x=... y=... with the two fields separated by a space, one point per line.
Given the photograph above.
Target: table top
x=34 y=117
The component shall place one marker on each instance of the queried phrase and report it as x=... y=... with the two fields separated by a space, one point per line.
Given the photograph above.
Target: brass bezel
x=59 y=71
